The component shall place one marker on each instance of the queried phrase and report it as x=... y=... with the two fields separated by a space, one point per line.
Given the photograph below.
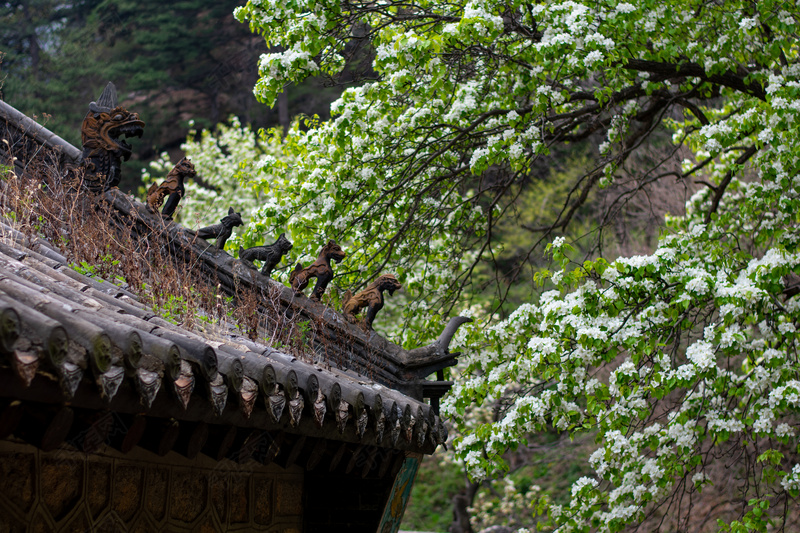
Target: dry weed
x=99 y=241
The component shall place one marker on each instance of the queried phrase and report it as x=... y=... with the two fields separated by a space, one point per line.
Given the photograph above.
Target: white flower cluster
x=698 y=335
x=229 y=161
x=791 y=482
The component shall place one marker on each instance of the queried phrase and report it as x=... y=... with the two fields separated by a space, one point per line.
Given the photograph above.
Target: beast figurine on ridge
x=103 y=149
x=371 y=298
x=271 y=254
x=172 y=186
x=320 y=269
x=222 y=231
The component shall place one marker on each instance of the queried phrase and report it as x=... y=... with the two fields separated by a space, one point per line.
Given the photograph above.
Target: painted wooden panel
x=398 y=498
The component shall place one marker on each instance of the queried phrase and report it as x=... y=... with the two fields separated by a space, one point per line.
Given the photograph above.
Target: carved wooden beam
x=295 y=451
x=316 y=454
x=45 y=427
x=90 y=429
x=160 y=436
x=128 y=433
x=191 y=439
x=10 y=416
x=220 y=441
x=369 y=461
x=354 y=459
x=387 y=461
x=275 y=447
x=337 y=457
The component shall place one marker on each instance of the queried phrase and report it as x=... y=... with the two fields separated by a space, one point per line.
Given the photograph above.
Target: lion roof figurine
x=320 y=269
x=371 y=298
x=222 y=231
x=103 y=149
x=172 y=186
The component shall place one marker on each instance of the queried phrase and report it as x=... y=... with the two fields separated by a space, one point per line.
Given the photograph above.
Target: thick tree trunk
x=461 y=503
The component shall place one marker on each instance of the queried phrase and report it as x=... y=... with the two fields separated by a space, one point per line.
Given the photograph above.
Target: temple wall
x=69 y=491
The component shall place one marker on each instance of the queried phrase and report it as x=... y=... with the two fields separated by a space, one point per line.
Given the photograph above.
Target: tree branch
x=689 y=69
x=720 y=190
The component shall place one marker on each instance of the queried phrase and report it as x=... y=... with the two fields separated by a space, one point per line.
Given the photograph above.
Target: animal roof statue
x=222 y=231
x=320 y=269
x=271 y=254
x=172 y=186
x=103 y=148
x=371 y=298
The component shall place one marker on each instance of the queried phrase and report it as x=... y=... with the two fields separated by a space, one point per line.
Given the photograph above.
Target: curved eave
x=223 y=380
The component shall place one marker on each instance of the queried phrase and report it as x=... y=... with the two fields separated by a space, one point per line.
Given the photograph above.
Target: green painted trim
x=398 y=498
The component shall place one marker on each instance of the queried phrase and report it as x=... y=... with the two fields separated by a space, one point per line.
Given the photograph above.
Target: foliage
x=419 y=166
x=677 y=360
x=102 y=270
x=429 y=507
x=170 y=62
x=505 y=504
x=684 y=356
x=224 y=159
x=48 y=60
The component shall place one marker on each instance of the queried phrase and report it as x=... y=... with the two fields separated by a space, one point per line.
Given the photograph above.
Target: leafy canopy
x=677 y=359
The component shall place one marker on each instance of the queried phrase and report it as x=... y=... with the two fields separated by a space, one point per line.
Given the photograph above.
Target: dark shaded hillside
x=172 y=62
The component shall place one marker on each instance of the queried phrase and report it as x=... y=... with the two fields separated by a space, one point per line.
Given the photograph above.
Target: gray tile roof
x=70 y=340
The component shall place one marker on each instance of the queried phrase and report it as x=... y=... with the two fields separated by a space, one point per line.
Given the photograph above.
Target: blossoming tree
x=679 y=361
x=225 y=160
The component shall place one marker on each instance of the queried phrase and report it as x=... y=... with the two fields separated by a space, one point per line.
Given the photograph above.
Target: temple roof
x=70 y=339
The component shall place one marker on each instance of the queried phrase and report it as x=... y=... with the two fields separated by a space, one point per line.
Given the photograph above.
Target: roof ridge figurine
x=371 y=298
x=103 y=150
x=270 y=254
x=320 y=269
x=222 y=231
x=172 y=186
